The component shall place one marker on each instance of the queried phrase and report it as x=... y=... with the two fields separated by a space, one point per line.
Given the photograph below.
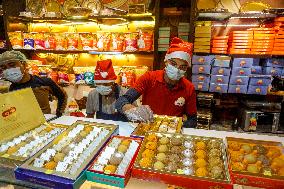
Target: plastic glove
x=141 y=113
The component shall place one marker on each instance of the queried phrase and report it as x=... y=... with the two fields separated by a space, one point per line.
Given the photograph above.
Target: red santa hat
x=179 y=49
x=104 y=72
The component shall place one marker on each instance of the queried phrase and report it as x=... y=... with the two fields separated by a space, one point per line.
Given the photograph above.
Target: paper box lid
x=19 y=113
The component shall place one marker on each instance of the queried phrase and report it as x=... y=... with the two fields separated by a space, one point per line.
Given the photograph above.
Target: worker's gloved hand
x=141 y=113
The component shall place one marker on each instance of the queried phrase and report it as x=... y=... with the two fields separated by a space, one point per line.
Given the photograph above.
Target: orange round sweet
x=48 y=129
x=200 y=154
x=281 y=172
x=50 y=165
x=238 y=166
x=201 y=172
x=88 y=129
x=145 y=162
x=234 y=146
x=200 y=163
x=273 y=153
x=148 y=153
x=110 y=169
x=152 y=138
x=151 y=145
x=277 y=163
x=126 y=142
x=12 y=150
x=236 y=156
x=200 y=145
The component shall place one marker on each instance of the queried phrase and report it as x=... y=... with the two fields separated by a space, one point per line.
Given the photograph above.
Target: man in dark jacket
x=14 y=68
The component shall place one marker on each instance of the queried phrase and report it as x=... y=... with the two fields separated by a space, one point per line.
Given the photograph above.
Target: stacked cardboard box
x=164 y=38
x=202 y=39
x=183 y=31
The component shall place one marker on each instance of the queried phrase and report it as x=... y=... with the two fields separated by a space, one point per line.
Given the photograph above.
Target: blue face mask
x=104 y=90
x=174 y=73
x=14 y=75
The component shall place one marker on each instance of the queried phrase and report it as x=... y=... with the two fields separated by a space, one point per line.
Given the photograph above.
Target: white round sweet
x=188 y=144
x=188 y=171
x=187 y=162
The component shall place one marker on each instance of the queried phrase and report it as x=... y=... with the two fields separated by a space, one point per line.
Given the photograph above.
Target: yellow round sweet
x=83 y=134
x=201 y=172
x=148 y=153
x=200 y=163
x=50 y=165
x=126 y=142
x=200 y=154
x=145 y=162
x=200 y=145
x=122 y=148
x=59 y=157
x=110 y=169
x=277 y=163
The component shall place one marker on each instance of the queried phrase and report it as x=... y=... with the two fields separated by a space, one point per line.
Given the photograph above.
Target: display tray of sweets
x=18 y=149
x=182 y=160
x=256 y=163
x=114 y=163
x=169 y=124
x=61 y=162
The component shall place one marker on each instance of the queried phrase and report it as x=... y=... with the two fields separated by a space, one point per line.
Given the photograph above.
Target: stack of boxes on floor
x=183 y=31
x=239 y=75
x=220 y=74
x=201 y=72
x=241 y=70
x=164 y=38
x=202 y=39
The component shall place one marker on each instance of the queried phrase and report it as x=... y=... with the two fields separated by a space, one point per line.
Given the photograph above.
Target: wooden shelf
x=84 y=51
x=143 y=17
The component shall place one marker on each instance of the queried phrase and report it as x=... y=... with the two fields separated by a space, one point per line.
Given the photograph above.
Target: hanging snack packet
x=39 y=40
x=79 y=75
x=72 y=41
x=49 y=41
x=131 y=42
x=145 y=41
x=61 y=42
x=16 y=39
x=86 y=41
x=28 y=41
x=117 y=42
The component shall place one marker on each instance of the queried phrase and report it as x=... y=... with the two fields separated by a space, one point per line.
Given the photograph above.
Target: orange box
x=263 y=37
x=219 y=49
x=220 y=45
x=275 y=52
x=242 y=32
x=279 y=40
x=278 y=44
x=220 y=37
x=266 y=179
x=188 y=181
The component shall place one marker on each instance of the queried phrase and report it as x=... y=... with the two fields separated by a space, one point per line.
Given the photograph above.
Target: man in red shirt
x=164 y=92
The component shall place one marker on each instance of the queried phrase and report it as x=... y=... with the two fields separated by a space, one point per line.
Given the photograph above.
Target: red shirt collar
x=160 y=78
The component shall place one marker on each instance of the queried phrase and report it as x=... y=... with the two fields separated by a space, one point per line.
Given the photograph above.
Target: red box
x=255 y=179
x=188 y=181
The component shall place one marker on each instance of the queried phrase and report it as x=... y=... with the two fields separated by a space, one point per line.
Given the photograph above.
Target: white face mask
x=174 y=73
x=13 y=74
x=104 y=90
